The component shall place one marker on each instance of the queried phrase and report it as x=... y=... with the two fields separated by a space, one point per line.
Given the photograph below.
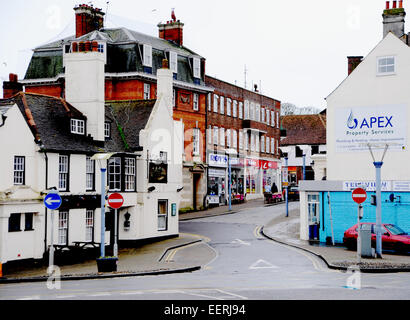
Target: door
x=109 y=226
x=196 y=178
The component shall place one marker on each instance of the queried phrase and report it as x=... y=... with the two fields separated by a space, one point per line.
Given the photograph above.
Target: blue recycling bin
x=314 y=232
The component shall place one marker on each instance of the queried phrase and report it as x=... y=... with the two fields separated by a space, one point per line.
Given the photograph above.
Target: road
x=240 y=265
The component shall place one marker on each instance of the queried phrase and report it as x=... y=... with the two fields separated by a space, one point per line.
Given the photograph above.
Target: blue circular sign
x=52 y=201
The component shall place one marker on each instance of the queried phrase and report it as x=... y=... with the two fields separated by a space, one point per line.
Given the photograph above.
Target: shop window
x=14 y=222
x=162 y=215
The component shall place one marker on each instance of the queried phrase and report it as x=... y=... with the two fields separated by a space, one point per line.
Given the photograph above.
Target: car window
x=394 y=230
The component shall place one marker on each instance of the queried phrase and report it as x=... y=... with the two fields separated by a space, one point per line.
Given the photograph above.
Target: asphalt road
x=238 y=264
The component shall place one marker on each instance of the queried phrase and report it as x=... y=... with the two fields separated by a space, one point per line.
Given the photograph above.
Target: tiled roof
x=304 y=129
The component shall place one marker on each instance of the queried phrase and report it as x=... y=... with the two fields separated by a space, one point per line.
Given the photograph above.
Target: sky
x=294 y=50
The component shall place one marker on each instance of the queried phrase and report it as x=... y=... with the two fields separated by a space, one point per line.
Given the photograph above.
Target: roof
x=123 y=54
x=304 y=129
x=49 y=120
x=127 y=119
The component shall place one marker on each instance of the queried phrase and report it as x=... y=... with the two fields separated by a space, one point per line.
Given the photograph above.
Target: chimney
x=393 y=19
x=165 y=84
x=172 y=30
x=85 y=84
x=352 y=63
x=11 y=87
x=87 y=19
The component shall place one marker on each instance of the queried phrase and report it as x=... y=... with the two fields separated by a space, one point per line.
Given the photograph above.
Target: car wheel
x=402 y=248
x=351 y=245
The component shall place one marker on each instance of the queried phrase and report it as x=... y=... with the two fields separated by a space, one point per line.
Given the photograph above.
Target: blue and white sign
x=217 y=160
x=357 y=126
x=52 y=201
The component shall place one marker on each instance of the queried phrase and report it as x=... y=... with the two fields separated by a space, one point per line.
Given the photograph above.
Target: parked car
x=293 y=193
x=393 y=237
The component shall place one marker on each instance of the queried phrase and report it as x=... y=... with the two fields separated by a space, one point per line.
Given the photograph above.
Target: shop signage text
x=217 y=160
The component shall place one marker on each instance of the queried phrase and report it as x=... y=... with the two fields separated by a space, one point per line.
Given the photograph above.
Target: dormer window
x=147 y=61
x=197 y=68
x=77 y=126
x=173 y=62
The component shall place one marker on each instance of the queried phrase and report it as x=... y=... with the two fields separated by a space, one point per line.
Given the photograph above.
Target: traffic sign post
x=52 y=201
x=115 y=201
x=359 y=196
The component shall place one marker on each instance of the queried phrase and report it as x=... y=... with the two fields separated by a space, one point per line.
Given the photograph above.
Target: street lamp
x=230 y=152
x=102 y=159
x=285 y=177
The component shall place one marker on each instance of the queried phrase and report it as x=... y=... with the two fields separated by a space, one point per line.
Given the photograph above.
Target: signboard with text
x=357 y=126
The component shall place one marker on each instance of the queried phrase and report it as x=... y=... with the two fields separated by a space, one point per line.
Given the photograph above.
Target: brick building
x=244 y=124
x=132 y=60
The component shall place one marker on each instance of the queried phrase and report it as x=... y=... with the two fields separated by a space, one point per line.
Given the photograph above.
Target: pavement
x=157 y=258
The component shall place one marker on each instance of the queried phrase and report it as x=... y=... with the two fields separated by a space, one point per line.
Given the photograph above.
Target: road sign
x=359 y=195
x=115 y=201
x=52 y=201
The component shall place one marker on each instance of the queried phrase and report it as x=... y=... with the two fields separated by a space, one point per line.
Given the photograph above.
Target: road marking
x=173 y=252
x=65 y=297
x=232 y=294
x=201 y=295
x=241 y=242
x=257 y=232
x=262 y=264
x=30 y=298
x=130 y=293
x=206 y=239
x=102 y=294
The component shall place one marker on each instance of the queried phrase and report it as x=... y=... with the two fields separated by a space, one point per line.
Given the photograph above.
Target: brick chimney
x=352 y=63
x=393 y=19
x=87 y=19
x=11 y=87
x=172 y=30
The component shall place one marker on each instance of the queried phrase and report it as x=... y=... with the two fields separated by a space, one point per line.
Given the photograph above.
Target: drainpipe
x=46 y=211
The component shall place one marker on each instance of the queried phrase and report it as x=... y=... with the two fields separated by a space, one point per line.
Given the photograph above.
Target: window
x=114 y=174
x=196 y=102
x=62 y=227
x=216 y=104
x=272 y=116
x=234 y=139
x=277 y=119
x=89 y=225
x=263 y=115
x=298 y=152
x=101 y=47
x=173 y=98
x=19 y=170
x=147 y=89
x=222 y=105
x=240 y=140
x=262 y=144
x=228 y=107
x=90 y=174
x=162 y=215
x=267 y=144
x=252 y=142
x=315 y=150
x=258 y=113
x=173 y=62
x=197 y=68
x=267 y=116
x=129 y=174
x=209 y=102
x=313 y=208
x=209 y=135
x=272 y=145
x=235 y=109
x=240 y=110
x=257 y=143
x=14 y=222
x=216 y=135
x=77 y=126
x=147 y=61
x=63 y=173
x=245 y=141
x=228 y=138
x=28 y=223
x=222 y=137
x=246 y=115
x=107 y=129
x=386 y=65
x=252 y=115
x=195 y=137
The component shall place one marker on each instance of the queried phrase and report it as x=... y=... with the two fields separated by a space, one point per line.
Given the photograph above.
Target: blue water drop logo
x=352 y=122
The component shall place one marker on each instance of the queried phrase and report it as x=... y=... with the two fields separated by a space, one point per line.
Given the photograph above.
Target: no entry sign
x=359 y=195
x=115 y=201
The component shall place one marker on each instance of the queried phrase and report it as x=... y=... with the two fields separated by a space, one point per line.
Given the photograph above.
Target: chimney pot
x=165 y=64
x=401 y=4
x=394 y=4
x=387 y=5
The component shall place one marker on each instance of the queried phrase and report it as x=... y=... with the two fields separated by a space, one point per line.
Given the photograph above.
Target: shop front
x=237 y=180
x=217 y=177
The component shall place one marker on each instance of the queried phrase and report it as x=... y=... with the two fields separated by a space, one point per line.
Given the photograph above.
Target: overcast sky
x=295 y=50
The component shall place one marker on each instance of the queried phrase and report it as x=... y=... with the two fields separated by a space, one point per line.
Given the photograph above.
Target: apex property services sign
x=357 y=126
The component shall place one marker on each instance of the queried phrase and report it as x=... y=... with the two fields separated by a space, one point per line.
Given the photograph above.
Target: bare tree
x=291 y=109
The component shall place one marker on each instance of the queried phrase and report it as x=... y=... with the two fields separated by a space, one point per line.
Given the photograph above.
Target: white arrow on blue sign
x=52 y=201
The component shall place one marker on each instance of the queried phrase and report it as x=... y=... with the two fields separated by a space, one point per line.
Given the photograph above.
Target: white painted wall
x=363 y=88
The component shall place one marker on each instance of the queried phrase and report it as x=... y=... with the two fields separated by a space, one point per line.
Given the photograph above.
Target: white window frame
x=216 y=135
x=235 y=109
x=263 y=144
x=209 y=135
x=129 y=174
x=196 y=141
x=240 y=111
x=209 y=102
x=216 y=103
x=162 y=217
x=62 y=227
x=147 y=91
x=63 y=170
x=77 y=126
x=196 y=68
x=90 y=174
x=19 y=170
x=107 y=129
x=267 y=144
x=234 y=139
x=272 y=118
x=174 y=97
x=246 y=110
x=267 y=116
x=277 y=119
x=263 y=115
x=89 y=225
x=257 y=143
x=313 y=204
x=252 y=111
x=228 y=138
x=222 y=105
x=272 y=146
x=258 y=113
x=222 y=136
x=114 y=184
x=379 y=72
x=240 y=139
x=147 y=61
x=252 y=142
x=173 y=61
x=196 y=102
x=228 y=106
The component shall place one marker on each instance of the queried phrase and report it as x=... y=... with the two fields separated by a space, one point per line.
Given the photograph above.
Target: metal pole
x=359 y=240
x=115 y=235
x=304 y=166
x=51 y=254
x=102 y=245
x=286 y=188
x=229 y=184
x=378 y=166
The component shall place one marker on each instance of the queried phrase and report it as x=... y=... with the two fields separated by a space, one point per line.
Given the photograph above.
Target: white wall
x=363 y=88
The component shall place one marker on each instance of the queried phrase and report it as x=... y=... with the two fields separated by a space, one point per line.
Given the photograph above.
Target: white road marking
x=102 y=294
x=131 y=293
x=232 y=294
x=241 y=242
x=64 y=297
x=262 y=264
x=30 y=298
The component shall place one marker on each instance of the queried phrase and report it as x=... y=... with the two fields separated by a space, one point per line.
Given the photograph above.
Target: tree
x=291 y=109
